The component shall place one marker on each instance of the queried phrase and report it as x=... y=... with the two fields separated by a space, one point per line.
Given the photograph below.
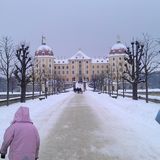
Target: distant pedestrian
x=21 y=137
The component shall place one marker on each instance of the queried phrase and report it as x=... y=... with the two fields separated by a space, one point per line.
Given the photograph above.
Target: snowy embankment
x=44 y=114
x=129 y=126
x=142 y=93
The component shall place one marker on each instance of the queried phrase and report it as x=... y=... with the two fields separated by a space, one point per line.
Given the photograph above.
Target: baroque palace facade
x=79 y=67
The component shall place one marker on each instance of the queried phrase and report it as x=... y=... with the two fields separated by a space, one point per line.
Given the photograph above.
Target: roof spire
x=43 y=40
x=118 y=39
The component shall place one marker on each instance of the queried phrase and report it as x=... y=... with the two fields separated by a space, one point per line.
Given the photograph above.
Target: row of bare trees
x=15 y=62
x=7 y=60
x=142 y=58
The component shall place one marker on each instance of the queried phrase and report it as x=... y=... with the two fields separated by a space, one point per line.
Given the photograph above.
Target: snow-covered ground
x=134 y=129
x=43 y=113
x=132 y=123
x=143 y=90
x=129 y=92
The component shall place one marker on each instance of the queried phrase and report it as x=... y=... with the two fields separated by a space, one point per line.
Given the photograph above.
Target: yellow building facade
x=79 y=67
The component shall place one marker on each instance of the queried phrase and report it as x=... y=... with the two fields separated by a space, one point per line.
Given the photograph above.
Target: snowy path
x=88 y=130
x=73 y=136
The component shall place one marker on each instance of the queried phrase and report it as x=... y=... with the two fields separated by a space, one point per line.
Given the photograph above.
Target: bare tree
x=134 y=60
x=22 y=71
x=7 y=61
x=94 y=79
x=12 y=84
x=53 y=82
x=150 y=59
x=45 y=81
x=118 y=79
x=39 y=79
x=33 y=78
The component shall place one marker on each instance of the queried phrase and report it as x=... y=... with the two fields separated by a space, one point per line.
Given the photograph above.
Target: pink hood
x=22 y=115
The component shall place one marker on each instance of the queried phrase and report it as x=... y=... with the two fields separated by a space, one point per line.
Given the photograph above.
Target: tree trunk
x=94 y=85
x=123 y=87
x=33 y=90
x=134 y=93
x=117 y=87
x=146 y=84
x=40 y=87
x=52 y=85
x=23 y=91
x=7 y=91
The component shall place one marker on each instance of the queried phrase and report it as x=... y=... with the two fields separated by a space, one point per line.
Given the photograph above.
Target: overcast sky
x=92 y=25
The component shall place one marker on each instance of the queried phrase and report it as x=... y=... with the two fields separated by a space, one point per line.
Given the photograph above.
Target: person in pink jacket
x=22 y=137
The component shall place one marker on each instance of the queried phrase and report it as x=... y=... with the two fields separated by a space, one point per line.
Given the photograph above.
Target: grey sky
x=68 y=25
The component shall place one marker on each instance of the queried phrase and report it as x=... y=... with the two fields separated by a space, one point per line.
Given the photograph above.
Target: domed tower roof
x=44 y=50
x=118 y=48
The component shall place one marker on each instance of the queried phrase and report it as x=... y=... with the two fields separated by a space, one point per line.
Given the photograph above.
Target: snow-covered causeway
x=92 y=126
